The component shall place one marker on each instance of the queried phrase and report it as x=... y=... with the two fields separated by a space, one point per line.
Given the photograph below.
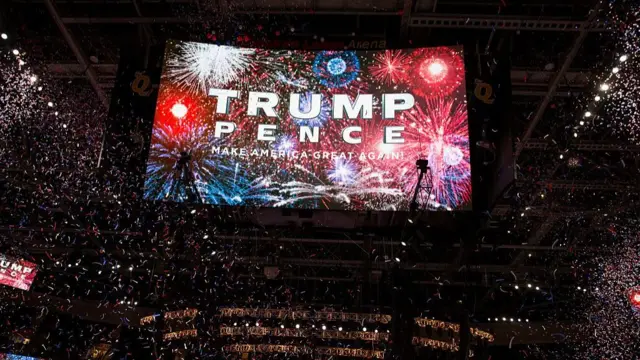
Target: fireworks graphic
x=305 y=107
x=441 y=129
x=238 y=169
x=167 y=148
x=390 y=67
x=198 y=67
x=342 y=172
x=336 y=69
x=436 y=72
x=350 y=196
x=266 y=70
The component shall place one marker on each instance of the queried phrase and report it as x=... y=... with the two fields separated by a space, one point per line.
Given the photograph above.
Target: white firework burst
x=197 y=66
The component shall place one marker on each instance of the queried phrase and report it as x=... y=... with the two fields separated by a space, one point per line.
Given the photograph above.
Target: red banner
x=16 y=273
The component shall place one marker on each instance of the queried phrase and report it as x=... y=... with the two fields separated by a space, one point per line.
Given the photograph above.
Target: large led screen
x=16 y=273
x=309 y=129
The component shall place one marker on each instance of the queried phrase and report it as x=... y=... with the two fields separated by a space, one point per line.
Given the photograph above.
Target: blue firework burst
x=336 y=69
x=165 y=152
x=457 y=168
x=342 y=172
x=305 y=107
x=285 y=143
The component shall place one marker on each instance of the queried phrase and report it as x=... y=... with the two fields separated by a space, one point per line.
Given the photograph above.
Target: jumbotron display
x=309 y=129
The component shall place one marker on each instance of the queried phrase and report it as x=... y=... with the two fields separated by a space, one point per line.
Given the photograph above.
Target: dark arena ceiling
x=544 y=272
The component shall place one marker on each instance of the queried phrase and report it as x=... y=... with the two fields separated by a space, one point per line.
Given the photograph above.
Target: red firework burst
x=634 y=297
x=436 y=72
x=390 y=67
x=180 y=111
x=440 y=133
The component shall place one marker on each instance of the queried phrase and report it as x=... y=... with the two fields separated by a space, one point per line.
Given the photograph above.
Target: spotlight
x=403 y=243
x=561 y=156
x=537 y=288
x=587 y=114
x=517 y=287
x=33 y=79
x=527 y=320
x=15 y=52
x=511 y=319
x=397 y=259
x=623 y=58
x=504 y=319
x=597 y=98
x=615 y=70
x=604 y=87
x=375 y=331
x=528 y=285
x=235 y=324
x=581 y=122
x=364 y=329
x=179 y=110
x=4 y=36
x=324 y=327
x=297 y=326
x=257 y=323
x=50 y=104
x=519 y=320
x=575 y=135
x=340 y=328
x=281 y=326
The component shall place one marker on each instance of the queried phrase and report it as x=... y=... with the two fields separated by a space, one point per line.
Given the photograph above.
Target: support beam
x=588 y=185
x=447 y=21
x=536 y=238
x=429 y=267
x=407 y=10
x=584 y=30
x=501 y=22
x=585 y=145
x=79 y=53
